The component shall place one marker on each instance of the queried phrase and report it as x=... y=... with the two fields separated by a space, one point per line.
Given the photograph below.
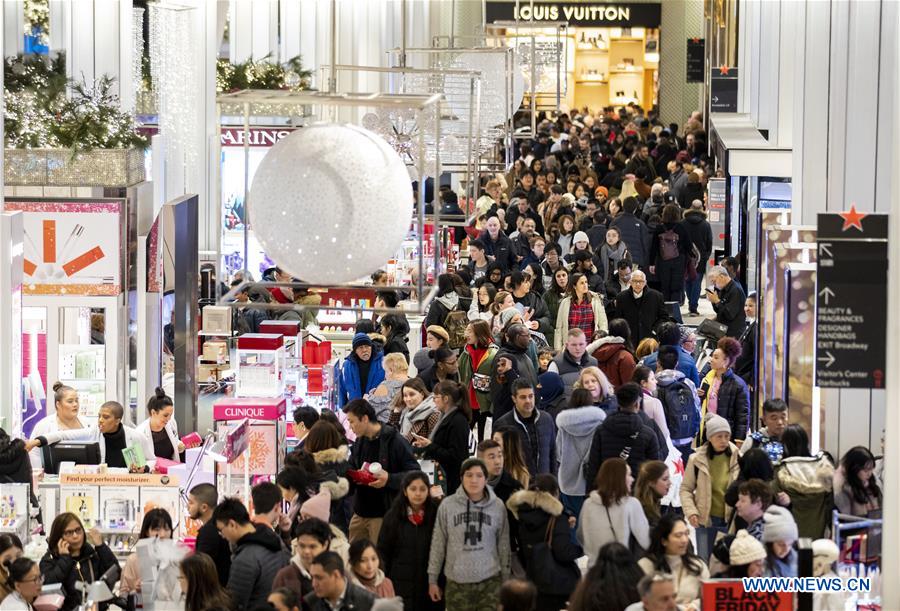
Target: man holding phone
x=727 y=300
x=511 y=363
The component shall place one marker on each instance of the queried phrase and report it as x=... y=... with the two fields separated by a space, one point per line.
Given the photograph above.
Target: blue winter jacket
x=350 y=387
x=686 y=365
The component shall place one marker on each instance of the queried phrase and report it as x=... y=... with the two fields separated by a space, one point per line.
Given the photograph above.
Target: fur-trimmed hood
x=524 y=500
x=332 y=455
x=338 y=489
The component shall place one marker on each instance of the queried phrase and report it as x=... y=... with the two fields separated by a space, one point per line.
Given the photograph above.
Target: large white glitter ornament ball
x=331 y=203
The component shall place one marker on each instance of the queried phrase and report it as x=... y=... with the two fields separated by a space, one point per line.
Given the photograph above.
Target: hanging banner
x=696 y=60
x=723 y=89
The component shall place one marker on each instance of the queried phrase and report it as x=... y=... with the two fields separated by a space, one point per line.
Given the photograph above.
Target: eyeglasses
x=38 y=579
x=73 y=531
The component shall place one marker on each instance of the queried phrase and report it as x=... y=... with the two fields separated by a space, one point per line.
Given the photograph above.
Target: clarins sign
x=576 y=13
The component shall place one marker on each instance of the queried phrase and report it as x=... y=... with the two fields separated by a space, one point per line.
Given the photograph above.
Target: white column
x=253 y=30
x=96 y=37
x=11 y=320
x=14 y=27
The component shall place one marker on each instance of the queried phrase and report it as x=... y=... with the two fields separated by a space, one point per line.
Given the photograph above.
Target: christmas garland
x=38 y=113
x=261 y=74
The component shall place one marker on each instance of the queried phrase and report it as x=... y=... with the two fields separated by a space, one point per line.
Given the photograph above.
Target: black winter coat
x=356 y=598
x=256 y=560
x=211 y=543
x=449 y=446
x=522 y=367
x=684 y=241
x=405 y=548
x=690 y=192
x=635 y=235
x=730 y=309
x=734 y=404
x=622 y=430
x=642 y=315
x=502 y=250
x=94 y=561
x=396 y=457
x=699 y=229
x=539 y=311
x=534 y=510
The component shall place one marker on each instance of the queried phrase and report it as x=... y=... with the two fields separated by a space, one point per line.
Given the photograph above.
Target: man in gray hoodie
x=470 y=543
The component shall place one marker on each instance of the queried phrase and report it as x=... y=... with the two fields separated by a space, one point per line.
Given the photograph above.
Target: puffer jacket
x=808 y=480
x=734 y=402
x=533 y=510
x=569 y=369
x=696 y=487
x=613 y=359
x=351 y=387
x=575 y=431
x=623 y=433
x=562 y=319
x=257 y=558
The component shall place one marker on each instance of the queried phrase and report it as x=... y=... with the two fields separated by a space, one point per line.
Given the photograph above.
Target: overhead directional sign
x=723 y=89
x=696 y=60
x=851 y=299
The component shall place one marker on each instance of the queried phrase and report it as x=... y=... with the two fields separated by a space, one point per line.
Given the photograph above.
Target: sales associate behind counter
x=109 y=432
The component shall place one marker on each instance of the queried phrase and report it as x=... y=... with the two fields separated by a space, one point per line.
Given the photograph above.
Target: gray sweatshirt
x=471 y=539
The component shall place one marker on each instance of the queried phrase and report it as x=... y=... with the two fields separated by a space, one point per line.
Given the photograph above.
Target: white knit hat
x=580 y=236
x=779 y=525
x=745 y=549
x=716 y=424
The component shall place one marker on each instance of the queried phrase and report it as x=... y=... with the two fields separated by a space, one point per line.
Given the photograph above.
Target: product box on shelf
x=119 y=507
x=217 y=319
x=291 y=331
x=215 y=351
x=260 y=365
x=15 y=506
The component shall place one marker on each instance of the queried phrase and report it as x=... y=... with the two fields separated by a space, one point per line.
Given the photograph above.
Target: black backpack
x=682 y=410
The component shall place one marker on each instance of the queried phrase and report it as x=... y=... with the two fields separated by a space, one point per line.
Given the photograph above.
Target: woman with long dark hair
x=365 y=569
x=414 y=412
x=807 y=482
x=513 y=454
x=156 y=523
x=581 y=309
x=448 y=444
x=405 y=541
x=475 y=363
x=201 y=585
x=611 y=583
x=653 y=483
x=74 y=555
x=669 y=250
x=24 y=581
x=481 y=304
x=856 y=490
x=670 y=552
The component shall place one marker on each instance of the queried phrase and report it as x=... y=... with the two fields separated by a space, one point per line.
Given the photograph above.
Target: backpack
x=682 y=410
x=455 y=323
x=690 y=270
x=668 y=245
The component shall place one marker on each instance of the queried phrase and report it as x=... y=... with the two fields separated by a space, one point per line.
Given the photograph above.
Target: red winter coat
x=614 y=359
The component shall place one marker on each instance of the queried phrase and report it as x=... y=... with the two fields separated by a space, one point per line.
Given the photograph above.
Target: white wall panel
x=861 y=123
x=837 y=102
x=811 y=145
x=885 y=160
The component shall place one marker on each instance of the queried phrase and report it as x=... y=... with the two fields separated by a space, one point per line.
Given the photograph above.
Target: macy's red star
x=723 y=70
x=852 y=218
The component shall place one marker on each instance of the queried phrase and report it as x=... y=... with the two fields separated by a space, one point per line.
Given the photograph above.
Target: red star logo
x=723 y=70
x=852 y=218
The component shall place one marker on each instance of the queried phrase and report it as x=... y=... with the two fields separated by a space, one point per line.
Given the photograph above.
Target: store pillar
x=11 y=252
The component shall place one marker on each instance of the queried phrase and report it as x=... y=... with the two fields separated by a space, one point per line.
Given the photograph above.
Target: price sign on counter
x=851 y=299
x=729 y=595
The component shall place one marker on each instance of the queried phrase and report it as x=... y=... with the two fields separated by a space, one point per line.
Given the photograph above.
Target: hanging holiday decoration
x=331 y=203
x=38 y=113
x=262 y=74
x=494 y=69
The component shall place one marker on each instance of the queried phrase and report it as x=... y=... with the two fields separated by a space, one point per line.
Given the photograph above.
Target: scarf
x=445 y=416
x=416 y=517
x=419 y=413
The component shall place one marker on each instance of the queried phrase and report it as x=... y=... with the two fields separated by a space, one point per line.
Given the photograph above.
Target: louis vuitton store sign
x=576 y=13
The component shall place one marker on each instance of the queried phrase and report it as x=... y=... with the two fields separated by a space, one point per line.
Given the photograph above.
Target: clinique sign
x=576 y=13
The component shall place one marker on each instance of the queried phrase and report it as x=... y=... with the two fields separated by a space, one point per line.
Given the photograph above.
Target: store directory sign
x=851 y=299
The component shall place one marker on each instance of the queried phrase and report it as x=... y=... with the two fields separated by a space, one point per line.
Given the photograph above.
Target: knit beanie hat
x=779 y=525
x=745 y=549
x=507 y=315
x=470 y=463
x=825 y=553
x=716 y=424
x=317 y=506
x=580 y=236
x=361 y=339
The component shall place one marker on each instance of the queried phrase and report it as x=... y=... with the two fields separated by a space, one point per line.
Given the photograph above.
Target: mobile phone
x=709 y=290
